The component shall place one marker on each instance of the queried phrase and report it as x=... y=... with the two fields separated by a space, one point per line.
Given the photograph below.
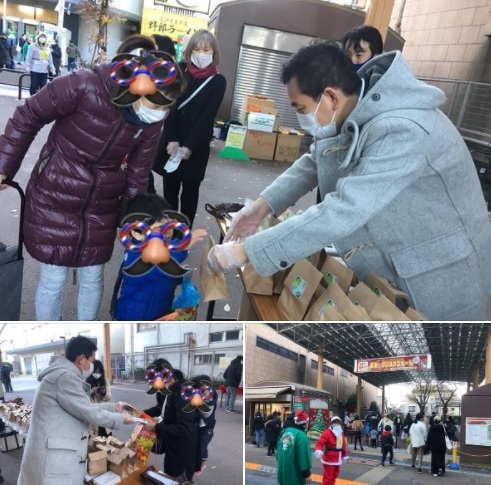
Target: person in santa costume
x=293 y=453
x=332 y=450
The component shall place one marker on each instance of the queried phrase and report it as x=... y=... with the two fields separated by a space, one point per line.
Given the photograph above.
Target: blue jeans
x=259 y=433
x=230 y=398
x=206 y=437
x=51 y=287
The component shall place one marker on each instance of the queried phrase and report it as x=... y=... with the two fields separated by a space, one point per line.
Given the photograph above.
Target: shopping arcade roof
x=454 y=347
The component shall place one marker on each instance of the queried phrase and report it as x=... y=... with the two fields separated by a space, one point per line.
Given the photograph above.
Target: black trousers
x=438 y=461
x=271 y=446
x=358 y=438
x=38 y=81
x=390 y=451
x=182 y=195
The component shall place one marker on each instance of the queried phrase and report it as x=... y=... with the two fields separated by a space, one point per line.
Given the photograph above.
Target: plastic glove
x=186 y=153
x=197 y=235
x=120 y=406
x=319 y=454
x=345 y=458
x=172 y=147
x=226 y=256
x=150 y=424
x=127 y=418
x=247 y=221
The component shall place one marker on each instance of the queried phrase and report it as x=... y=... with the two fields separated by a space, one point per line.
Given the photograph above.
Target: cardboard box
x=260 y=145
x=97 y=463
x=258 y=104
x=262 y=122
x=288 y=145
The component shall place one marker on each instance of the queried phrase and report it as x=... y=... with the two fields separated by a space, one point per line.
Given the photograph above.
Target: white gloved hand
x=224 y=257
x=120 y=406
x=319 y=454
x=128 y=419
x=248 y=220
x=345 y=458
x=172 y=147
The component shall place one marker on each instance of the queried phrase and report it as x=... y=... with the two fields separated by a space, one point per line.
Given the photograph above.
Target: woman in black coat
x=189 y=128
x=179 y=430
x=436 y=444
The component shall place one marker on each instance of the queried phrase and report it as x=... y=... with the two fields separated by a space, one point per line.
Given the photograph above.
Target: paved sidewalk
x=363 y=468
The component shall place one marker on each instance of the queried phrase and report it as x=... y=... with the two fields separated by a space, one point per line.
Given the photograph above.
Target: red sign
x=388 y=364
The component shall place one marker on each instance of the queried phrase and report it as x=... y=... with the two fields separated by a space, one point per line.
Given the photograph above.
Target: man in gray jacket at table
x=56 y=446
x=400 y=194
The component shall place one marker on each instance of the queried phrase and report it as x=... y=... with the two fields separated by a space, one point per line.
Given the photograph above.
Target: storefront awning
x=254 y=393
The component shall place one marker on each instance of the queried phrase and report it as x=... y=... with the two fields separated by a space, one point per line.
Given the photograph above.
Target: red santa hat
x=301 y=417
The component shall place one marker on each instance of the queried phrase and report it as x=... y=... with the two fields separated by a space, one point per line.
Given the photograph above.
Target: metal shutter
x=259 y=72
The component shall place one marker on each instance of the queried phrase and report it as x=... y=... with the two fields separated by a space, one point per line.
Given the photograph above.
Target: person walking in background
x=56 y=55
x=6 y=379
x=373 y=437
x=39 y=63
x=387 y=445
x=6 y=56
x=408 y=421
x=259 y=430
x=25 y=48
x=436 y=444
x=398 y=424
x=189 y=128
x=357 y=427
x=362 y=44
x=332 y=451
x=233 y=377
x=273 y=428
x=294 y=457
x=101 y=55
x=56 y=447
x=100 y=392
x=73 y=54
x=384 y=422
x=367 y=431
x=418 y=434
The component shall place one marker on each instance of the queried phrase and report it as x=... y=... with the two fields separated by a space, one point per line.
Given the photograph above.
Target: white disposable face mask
x=88 y=372
x=201 y=60
x=96 y=376
x=149 y=115
x=42 y=40
x=309 y=123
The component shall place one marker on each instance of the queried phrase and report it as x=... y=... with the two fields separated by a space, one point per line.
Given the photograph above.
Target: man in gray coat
x=400 y=193
x=56 y=446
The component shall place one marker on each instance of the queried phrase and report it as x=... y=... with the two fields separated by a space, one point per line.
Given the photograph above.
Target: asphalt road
x=226 y=181
x=225 y=463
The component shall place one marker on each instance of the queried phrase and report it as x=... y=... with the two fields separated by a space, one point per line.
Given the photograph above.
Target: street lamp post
x=4 y=23
x=64 y=344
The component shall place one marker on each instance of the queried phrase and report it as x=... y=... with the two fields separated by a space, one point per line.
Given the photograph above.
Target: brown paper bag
x=255 y=283
x=382 y=287
x=362 y=295
x=334 y=270
x=415 y=316
x=325 y=308
x=213 y=286
x=299 y=288
x=384 y=310
x=97 y=463
x=317 y=259
x=279 y=280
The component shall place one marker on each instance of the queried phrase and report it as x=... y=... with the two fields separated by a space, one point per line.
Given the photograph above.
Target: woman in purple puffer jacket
x=107 y=123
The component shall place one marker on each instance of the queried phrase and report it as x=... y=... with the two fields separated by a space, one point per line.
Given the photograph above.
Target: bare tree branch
x=446 y=394
x=421 y=393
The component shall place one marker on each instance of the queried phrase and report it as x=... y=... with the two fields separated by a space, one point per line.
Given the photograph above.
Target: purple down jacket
x=91 y=159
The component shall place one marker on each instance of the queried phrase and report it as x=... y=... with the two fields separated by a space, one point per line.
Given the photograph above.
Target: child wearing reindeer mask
x=332 y=451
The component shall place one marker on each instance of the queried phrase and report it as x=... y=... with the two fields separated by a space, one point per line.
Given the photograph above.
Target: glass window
x=218 y=357
x=203 y=359
x=232 y=335
x=411 y=409
x=216 y=337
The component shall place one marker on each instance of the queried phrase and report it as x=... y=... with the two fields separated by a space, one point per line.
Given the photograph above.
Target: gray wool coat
x=401 y=199
x=56 y=446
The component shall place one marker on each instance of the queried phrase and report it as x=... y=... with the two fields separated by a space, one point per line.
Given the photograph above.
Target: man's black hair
x=178 y=375
x=165 y=44
x=79 y=346
x=321 y=65
x=369 y=34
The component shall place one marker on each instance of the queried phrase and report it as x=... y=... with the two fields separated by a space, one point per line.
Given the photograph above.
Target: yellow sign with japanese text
x=171 y=24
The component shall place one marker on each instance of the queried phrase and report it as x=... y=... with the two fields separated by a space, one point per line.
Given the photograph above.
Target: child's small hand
x=197 y=235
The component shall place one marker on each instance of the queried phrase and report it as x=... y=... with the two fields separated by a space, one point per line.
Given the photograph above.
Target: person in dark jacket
x=56 y=56
x=6 y=379
x=387 y=445
x=189 y=128
x=178 y=429
x=273 y=428
x=100 y=149
x=6 y=57
x=289 y=420
x=259 y=429
x=435 y=443
x=233 y=376
x=408 y=421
